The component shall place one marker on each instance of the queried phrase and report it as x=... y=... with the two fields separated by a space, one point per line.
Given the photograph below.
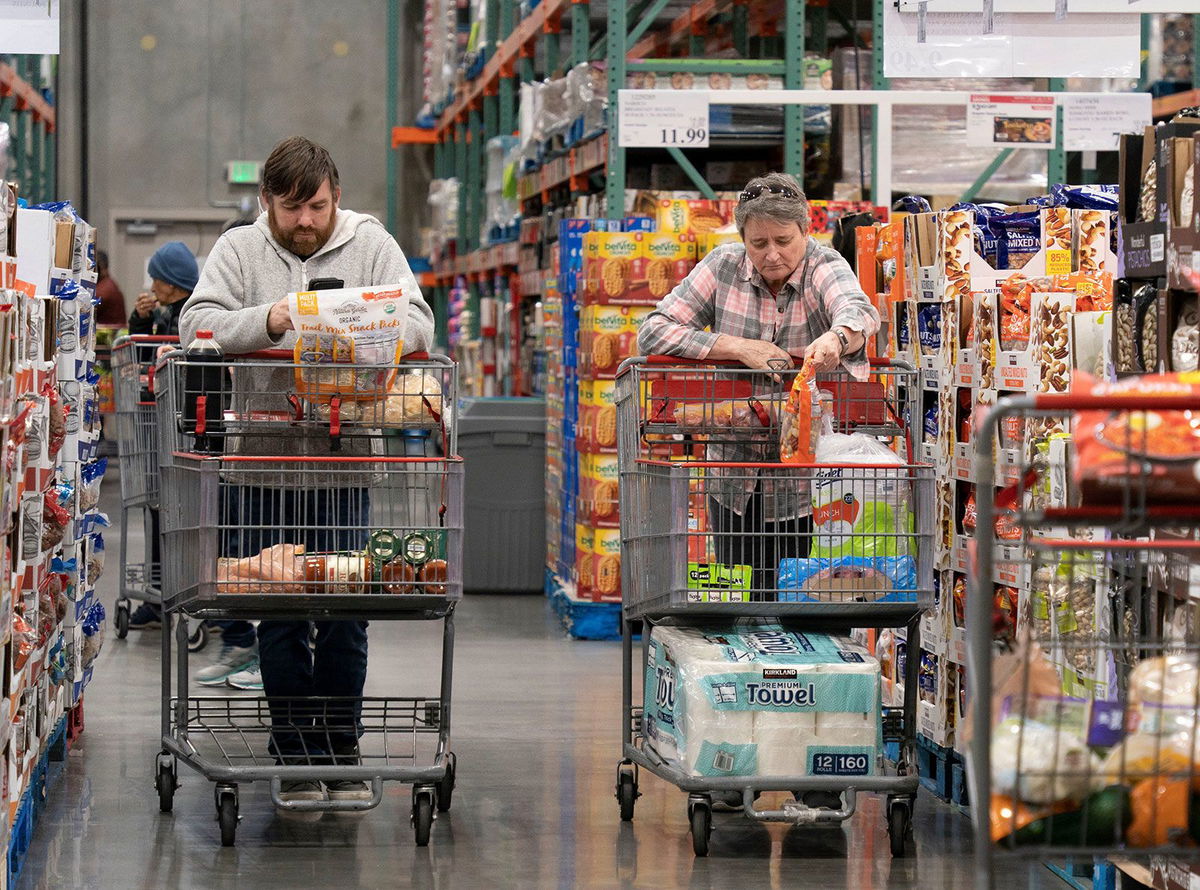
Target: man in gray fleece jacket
x=241 y=298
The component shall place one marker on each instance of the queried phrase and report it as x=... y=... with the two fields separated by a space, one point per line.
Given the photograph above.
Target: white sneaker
x=249 y=680
x=228 y=661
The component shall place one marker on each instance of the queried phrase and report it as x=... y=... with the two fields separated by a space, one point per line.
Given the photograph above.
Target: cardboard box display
x=1178 y=330
x=1183 y=234
x=598 y=490
x=634 y=268
x=597 y=426
x=35 y=248
x=939 y=250
x=608 y=336
x=687 y=80
x=606 y=543
x=585 y=580
x=935 y=699
x=688 y=217
x=707 y=242
x=1144 y=241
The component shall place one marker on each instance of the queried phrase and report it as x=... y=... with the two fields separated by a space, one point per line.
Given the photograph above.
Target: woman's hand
x=824 y=353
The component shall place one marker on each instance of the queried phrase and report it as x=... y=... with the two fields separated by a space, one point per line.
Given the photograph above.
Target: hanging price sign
x=662 y=118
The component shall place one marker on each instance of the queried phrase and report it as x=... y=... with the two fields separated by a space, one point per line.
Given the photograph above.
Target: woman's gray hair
x=772 y=205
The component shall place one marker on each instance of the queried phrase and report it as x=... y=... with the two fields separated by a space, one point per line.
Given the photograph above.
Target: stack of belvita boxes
x=1014 y=302
x=609 y=275
x=51 y=625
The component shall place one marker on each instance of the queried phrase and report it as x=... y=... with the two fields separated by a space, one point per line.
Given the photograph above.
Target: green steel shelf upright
x=620 y=40
x=31 y=120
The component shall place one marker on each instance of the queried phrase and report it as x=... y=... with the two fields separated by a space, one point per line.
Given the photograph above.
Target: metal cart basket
x=698 y=444
x=339 y=530
x=133 y=361
x=1085 y=692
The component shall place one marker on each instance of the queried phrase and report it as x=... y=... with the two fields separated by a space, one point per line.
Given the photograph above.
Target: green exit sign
x=243 y=172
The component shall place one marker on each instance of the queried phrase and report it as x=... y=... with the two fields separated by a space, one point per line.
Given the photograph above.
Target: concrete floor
x=537 y=729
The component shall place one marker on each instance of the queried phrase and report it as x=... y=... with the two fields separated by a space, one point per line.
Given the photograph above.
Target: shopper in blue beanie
x=173 y=276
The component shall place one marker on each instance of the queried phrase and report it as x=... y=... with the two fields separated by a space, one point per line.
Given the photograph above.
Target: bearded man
x=301 y=236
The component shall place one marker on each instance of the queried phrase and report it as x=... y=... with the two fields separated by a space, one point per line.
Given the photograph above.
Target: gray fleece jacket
x=248 y=271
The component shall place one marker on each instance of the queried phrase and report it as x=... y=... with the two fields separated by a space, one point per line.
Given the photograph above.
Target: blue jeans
x=298 y=682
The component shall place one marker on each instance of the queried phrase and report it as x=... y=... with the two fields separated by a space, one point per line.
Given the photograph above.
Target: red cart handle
x=286 y=355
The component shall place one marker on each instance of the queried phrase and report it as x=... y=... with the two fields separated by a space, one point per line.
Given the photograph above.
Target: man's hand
x=824 y=353
x=279 y=320
x=145 y=305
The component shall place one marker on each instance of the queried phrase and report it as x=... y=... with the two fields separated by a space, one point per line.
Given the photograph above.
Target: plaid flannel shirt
x=727 y=295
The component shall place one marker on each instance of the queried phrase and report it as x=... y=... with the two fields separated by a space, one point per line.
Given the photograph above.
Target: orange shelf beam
x=26 y=96
x=530 y=28
x=412 y=136
x=1168 y=105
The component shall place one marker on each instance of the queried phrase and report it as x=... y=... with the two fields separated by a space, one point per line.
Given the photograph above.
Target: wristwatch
x=845 y=341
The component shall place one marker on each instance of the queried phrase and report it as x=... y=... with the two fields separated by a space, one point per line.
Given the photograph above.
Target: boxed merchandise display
x=759 y=700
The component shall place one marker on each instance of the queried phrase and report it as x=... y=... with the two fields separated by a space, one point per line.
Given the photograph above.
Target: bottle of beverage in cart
x=204 y=393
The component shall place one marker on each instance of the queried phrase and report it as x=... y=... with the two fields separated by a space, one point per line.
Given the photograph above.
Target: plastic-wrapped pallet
x=762 y=701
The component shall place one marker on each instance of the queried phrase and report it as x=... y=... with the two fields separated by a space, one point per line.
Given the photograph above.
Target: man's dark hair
x=296 y=168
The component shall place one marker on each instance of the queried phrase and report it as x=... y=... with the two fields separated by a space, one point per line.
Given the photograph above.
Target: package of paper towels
x=762 y=701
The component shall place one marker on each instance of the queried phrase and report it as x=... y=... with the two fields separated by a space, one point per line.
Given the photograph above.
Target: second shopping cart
x=750 y=573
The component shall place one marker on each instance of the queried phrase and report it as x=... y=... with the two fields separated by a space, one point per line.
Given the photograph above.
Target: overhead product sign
x=29 y=27
x=1048 y=6
x=1093 y=123
x=939 y=43
x=1011 y=121
x=662 y=118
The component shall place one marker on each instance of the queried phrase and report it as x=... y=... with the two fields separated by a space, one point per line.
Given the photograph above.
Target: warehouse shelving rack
x=32 y=120
x=556 y=35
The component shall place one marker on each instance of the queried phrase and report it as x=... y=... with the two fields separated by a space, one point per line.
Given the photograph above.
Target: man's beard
x=301 y=241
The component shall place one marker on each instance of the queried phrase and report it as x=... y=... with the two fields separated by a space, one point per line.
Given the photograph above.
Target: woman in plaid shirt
x=777 y=295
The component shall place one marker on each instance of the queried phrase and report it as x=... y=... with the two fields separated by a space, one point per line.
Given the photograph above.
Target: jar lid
x=383 y=545
x=417 y=548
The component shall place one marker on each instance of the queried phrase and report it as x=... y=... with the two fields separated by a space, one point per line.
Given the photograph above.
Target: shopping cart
x=1084 y=694
x=360 y=533
x=133 y=360
x=693 y=437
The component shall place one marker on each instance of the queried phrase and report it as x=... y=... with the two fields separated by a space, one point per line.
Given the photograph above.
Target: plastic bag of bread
x=1040 y=764
x=715 y=416
x=277 y=569
x=414 y=398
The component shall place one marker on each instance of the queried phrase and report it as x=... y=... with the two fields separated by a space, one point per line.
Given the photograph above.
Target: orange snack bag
x=798 y=430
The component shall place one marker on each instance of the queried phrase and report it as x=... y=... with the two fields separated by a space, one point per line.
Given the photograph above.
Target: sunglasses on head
x=751 y=193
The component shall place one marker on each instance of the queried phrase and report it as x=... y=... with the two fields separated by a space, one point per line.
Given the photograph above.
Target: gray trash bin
x=503 y=442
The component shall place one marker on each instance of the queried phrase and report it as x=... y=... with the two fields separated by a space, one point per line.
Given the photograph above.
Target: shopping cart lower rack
x=282 y=506
x=737 y=565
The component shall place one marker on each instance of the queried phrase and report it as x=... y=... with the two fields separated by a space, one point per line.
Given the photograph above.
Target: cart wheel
x=898 y=827
x=198 y=638
x=166 y=782
x=701 y=819
x=627 y=795
x=227 y=815
x=445 y=788
x=121 y=619
x=422 y=819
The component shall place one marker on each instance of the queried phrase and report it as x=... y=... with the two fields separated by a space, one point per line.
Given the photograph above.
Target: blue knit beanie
x=174 y=264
